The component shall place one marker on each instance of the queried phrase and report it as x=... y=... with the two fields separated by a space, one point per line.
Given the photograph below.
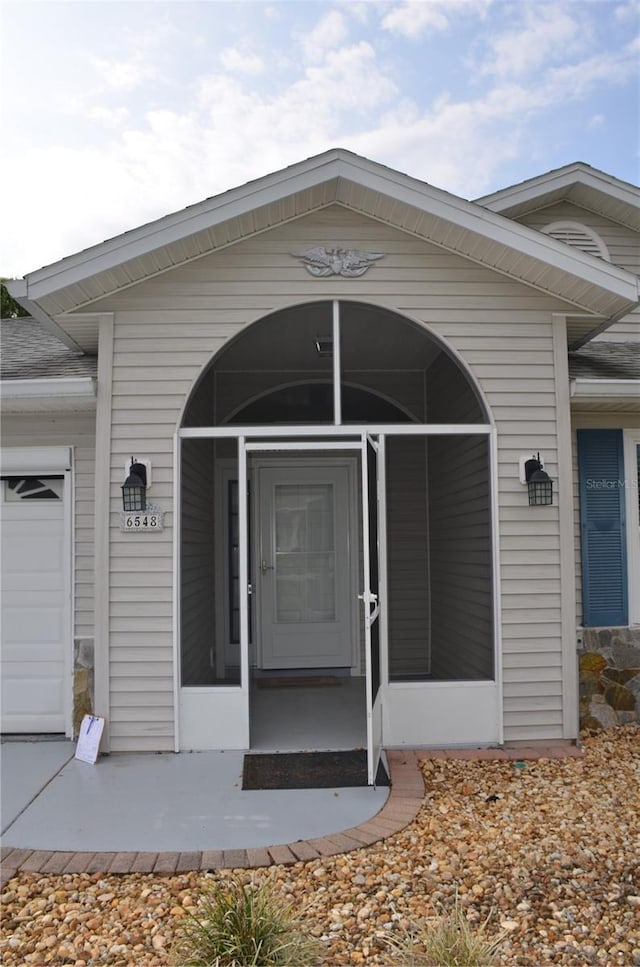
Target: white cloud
x=627 y=13
x=222 y=129
x=357 y=9
x=348 y=80
x=175 y=158
x=461 y=145
x=327 y=34
x=110 y=117
x=579 y=79
x=120 y=75
x=548 y=31
x=412 y=19
x=241 y=61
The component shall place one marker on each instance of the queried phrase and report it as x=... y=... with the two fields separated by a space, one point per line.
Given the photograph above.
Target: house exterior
x=370 y=361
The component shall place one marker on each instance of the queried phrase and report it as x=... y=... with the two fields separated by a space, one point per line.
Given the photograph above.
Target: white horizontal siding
x=168 y=329
x=77 y=431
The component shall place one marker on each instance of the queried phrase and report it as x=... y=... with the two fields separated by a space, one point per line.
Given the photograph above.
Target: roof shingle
x=29 y=351
x=606 y=360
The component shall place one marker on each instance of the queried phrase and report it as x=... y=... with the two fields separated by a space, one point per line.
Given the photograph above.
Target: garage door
x=34 y=605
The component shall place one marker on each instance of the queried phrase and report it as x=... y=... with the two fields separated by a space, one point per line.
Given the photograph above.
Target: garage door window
x=32 y=488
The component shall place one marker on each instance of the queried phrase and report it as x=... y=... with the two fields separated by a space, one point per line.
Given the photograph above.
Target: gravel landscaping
x=547 y=850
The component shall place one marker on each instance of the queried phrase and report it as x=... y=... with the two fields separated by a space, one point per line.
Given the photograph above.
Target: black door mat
x=309 y=770
x=297 y=681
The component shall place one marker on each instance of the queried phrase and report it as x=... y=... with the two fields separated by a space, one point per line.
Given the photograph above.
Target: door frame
x=374 y=603
x=350 y=463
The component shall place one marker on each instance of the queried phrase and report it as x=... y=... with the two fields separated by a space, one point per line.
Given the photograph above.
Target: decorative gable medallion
x=350 y=263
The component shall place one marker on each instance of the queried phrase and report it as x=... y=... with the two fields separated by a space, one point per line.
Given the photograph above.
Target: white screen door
x=303 y=571
x=373 y=593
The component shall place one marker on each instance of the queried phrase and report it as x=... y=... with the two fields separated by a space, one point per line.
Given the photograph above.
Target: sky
x=117 y=113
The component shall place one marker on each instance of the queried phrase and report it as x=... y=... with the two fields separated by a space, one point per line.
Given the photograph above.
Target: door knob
x=264 y=567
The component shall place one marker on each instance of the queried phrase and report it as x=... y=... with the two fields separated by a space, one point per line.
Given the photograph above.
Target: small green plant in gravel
x=450 y=941
x=244 y=925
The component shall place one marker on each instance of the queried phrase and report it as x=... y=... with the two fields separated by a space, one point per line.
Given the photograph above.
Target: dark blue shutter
x=602 y=519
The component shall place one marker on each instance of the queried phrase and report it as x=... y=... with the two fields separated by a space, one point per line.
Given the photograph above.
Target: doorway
x=303 y=567
x=310 y=580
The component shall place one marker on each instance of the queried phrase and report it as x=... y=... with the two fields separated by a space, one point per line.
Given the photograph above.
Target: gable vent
x=578 y=236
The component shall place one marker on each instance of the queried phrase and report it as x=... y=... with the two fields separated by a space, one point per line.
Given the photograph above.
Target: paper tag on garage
x=89 y=739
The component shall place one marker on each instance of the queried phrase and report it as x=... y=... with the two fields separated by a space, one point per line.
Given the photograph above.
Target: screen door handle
x=264 y=567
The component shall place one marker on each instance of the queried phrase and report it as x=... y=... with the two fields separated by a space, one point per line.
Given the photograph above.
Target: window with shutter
x=602 y=517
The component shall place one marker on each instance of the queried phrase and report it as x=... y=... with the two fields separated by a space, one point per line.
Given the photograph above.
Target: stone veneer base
x=609 y=666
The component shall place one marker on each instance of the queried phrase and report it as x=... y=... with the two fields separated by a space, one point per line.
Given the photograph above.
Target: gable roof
x=335 y=177
x=579 y=183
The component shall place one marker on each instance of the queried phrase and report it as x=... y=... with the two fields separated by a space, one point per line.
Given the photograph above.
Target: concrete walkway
x=160 y=813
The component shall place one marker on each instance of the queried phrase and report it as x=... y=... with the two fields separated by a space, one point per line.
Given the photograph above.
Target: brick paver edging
x=401 y=808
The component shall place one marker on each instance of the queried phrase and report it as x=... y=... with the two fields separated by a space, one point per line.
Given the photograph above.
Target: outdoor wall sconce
x=134 y=489
x=539 y=483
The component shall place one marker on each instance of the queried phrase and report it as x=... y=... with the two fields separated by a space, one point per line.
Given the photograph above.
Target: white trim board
x=35 y=460
x=329 y=430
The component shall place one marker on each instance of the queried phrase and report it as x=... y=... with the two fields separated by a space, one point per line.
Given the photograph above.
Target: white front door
x=35 y=596
x=302 y=567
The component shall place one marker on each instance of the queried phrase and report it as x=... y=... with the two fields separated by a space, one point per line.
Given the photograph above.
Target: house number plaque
x=136 y=521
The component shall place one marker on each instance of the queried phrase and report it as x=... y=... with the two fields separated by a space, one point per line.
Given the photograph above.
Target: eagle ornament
x=350 y=263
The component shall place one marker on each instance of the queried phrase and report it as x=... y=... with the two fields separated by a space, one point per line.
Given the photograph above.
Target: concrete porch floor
x=153 y=802
x=190 y=800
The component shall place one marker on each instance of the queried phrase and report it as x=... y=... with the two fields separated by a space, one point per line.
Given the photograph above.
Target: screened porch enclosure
x=305 y=538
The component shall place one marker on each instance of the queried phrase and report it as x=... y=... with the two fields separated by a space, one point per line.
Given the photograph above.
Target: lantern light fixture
x=539 y=483
x=134 y=489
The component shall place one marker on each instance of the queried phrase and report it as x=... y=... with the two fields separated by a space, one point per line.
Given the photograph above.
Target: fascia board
x=178 y=225
x=600 y=388
x=526 y=241
x=53 y=387
x=335 y=165
x=54 y=395
x=531 y=189
x=563 y=179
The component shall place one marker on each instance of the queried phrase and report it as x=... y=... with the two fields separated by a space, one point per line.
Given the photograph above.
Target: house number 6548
x=142 y=522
